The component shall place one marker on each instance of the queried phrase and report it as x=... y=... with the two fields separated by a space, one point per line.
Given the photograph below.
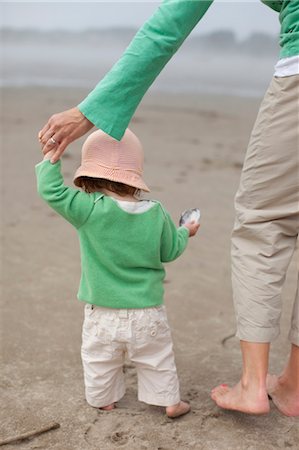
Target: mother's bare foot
x=178 y=410
x=284 y=396
x=241 y=398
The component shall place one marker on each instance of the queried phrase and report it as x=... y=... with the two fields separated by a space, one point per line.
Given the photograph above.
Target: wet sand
x=194 y=149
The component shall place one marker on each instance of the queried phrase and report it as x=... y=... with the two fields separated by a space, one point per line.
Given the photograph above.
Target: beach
x=194 y=148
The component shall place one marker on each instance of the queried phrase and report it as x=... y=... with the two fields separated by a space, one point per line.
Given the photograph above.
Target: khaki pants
x=267 y=216
x=144 y=334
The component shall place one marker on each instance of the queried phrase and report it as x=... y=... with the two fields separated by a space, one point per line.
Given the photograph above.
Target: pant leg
x=102 y=358
x=151 y=350
x=267 y=214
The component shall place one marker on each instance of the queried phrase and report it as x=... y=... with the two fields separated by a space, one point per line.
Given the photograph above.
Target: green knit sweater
x=121 y=253
x=111 y=105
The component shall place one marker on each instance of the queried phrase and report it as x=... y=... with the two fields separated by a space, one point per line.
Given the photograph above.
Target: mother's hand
x=62 y=129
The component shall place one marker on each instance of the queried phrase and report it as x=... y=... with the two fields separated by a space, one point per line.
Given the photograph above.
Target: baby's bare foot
x=108 y=407
x=178 y=410
x=284 y=396
x=240 y=398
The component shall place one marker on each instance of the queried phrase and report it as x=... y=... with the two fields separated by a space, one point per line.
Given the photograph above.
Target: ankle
x=256 y=384
x=288 y=382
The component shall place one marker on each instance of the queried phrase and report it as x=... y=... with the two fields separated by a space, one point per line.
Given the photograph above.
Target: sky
x=242 y=17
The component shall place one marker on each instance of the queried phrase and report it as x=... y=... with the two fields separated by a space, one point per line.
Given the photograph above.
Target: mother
x=267 y=202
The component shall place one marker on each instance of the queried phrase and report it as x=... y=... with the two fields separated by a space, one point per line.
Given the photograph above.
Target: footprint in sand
x=192 y=394
x=107 y=432
x=119 y=438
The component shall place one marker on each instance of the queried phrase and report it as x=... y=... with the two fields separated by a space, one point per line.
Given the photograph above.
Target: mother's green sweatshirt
x=111 y=105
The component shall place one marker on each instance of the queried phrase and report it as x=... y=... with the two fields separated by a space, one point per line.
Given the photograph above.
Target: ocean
x=82 y=59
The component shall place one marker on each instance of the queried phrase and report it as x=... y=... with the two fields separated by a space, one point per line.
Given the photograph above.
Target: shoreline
x=210 y=90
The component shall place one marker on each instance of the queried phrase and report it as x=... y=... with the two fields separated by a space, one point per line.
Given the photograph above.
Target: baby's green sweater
x=122 y=253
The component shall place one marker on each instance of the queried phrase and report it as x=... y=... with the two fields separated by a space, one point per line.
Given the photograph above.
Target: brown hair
x=90 y=184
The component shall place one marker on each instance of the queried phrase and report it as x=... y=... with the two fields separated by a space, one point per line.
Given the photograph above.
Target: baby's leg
x=102 y=362
x=153 y=355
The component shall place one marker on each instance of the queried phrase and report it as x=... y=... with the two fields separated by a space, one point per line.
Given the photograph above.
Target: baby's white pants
x=144 y=334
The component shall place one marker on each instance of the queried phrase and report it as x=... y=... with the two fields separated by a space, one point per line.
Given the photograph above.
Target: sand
x=194 y=148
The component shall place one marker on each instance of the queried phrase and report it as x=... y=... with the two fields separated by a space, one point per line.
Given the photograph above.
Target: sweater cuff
x=185 y=230
x=41 y=162
x=45 y=161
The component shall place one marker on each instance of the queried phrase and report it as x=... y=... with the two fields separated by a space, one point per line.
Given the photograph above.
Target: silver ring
x=53 y=141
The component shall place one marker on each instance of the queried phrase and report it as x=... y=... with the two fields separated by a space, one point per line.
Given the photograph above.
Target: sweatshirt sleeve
x=174 y=240
x=72 y=204
x=111 y=105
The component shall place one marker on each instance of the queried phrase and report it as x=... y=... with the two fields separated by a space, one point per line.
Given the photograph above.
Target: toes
x=219 y=392
x=221 y=389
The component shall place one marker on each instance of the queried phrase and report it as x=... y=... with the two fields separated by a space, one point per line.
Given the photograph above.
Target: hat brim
x=128 y=177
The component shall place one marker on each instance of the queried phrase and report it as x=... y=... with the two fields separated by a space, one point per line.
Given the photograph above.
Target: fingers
x=55 y=150
x=43 y=131
x=48 y=130
x=51 y=144
x=62 y=129
x=49 y=155
x=58 y=152
x=49 y=138
x=193 y=228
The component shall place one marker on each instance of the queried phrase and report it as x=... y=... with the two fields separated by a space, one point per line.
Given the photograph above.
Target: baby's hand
x=49 y=155
x=192 y=227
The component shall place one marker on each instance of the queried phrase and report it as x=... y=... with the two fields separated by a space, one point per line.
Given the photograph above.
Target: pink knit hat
x=120 y=161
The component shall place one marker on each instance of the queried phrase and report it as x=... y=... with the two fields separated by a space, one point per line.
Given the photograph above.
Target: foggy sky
x=242 y=17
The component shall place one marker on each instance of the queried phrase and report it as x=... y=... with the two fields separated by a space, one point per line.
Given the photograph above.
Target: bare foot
x=241 y=398
x=284 y=397
x=108 y=407
x=178 y=410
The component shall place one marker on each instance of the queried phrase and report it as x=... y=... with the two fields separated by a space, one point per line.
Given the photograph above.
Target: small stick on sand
x=223 y=342
x=30 y=434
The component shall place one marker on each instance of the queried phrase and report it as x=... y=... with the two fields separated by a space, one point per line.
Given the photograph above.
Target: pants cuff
x=294 y=337
x=98 y=401
x=255 y=334
x=159 y=400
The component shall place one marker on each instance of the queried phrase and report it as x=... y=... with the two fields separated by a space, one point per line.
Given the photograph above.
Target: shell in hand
x=190 y=215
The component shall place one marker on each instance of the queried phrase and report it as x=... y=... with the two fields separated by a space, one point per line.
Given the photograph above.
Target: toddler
x=124 y=242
